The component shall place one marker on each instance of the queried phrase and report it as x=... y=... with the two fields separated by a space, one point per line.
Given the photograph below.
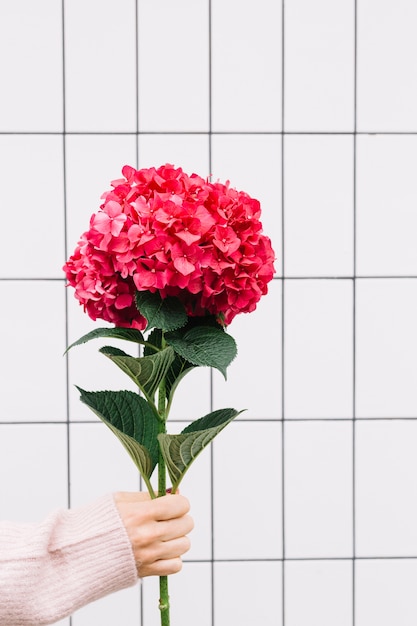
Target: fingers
x=157 y=530
x=164 y=567
x=171 y=529
x=163 y=550
x=151 y=534
x=163 y=508
x=157 y=557
x=175 y=548
x=169 y=507
x=132 y=496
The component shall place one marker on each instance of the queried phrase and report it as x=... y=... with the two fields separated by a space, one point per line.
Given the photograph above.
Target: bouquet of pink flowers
x=178 y=257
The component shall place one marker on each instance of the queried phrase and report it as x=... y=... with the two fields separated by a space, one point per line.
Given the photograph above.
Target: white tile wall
x=99 y=463
x=248 y=470
x=100 y=66
x=318 y=593
x=35 y=461
x=33 y=387
x=386 y=48
x=319 y=216
x=253 y=379
x=246 y=65
x=31 y=68
x=386 y=488
x=191 y=152
x=386 y=347
x=89 y=369
x=32 y=164
x=254 y=598
x=173 y=65
x=318 y=489
x=386 y=202
x=319 y=85
x=386 y=592
x=318 y=348
x=210 y=85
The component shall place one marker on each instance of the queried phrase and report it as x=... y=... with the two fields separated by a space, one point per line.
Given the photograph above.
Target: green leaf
x=132 y=420
x=154 y=341
x=146 y=372
x=179 y=368
x=164 y=313
x=179 y=451
x=204 y=345
x=221 y=417
x=129 y=334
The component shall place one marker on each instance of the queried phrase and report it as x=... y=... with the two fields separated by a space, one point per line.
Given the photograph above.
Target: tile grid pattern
x=355 y=87
x=363 y=424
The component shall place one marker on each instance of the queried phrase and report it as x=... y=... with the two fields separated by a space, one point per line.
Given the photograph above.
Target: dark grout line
x=275 y=278
x=294 y=133
x=260 y=420
x=308 y=559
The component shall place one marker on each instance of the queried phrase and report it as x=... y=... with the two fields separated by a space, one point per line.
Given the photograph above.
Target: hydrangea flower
x=161 y=230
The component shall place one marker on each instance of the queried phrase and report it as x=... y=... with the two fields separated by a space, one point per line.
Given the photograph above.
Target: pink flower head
x=160 y=230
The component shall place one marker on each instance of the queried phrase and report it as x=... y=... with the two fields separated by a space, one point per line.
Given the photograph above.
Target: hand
x=157 y=530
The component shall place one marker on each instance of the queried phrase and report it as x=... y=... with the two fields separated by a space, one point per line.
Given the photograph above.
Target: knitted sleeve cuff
x=73 y=558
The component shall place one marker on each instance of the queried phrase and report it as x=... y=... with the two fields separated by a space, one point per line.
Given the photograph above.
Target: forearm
x=47 y=571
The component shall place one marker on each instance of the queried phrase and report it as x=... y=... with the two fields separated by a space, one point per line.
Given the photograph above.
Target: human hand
x=157 y=530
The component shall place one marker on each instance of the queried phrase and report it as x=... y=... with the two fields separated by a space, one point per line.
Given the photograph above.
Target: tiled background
x=306 y=508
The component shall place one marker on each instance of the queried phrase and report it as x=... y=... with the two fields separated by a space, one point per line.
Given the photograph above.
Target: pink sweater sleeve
x=73 y=557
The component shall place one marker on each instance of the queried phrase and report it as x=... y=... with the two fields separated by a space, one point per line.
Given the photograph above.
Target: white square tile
x=190 y=597
x=108 y=610
x=89 y=369
x=32 y=336
x=34 y=458
x=386 y=592
x=193 y=395
x=386 y=344
x=190 y=152
x=386 y=488
x=386 y=205
x=173 y=65
x=40 y=210
x=31 y=72
x=319 y=65
x=318 y=345
x=246 y=65
x=318 y=593
x=254 y=378
x=387 y=47
x=318 y=205
x=99 y=464
x=247 y=476
x=93 y=161
x=100 y=65
x=248 y=594
x=318 y=489
x=252 y=163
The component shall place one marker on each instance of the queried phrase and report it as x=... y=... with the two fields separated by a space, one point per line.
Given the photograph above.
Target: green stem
x=149 y=487
x=163 y=580
x=164 y=600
